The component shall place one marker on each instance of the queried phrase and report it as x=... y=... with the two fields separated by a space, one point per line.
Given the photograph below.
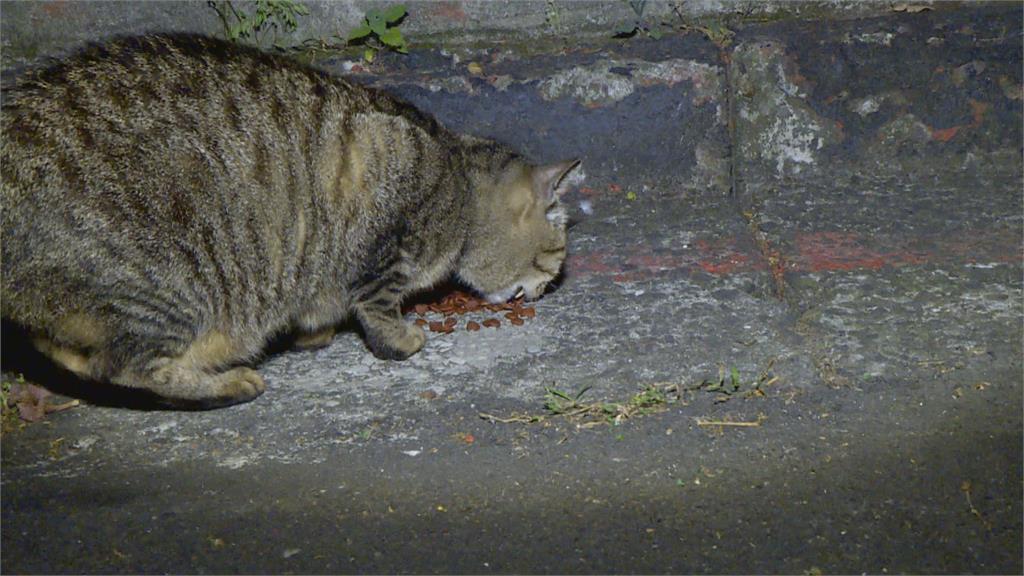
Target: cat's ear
x=551 y=180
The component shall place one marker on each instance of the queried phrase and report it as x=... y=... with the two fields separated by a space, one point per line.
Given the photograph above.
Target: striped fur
x=170 y=202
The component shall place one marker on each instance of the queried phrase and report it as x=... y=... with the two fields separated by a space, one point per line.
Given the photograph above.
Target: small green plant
x=552 y=15
x=8 y=411
x=650 y=399
x=5 y=391
x=717 y=31
x=637 y=25
x=379 y=31
x=729 y=383
x=560 y=403
x=260 y=16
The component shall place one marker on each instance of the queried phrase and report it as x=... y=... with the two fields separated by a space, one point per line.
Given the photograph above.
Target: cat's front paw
x=408 y=341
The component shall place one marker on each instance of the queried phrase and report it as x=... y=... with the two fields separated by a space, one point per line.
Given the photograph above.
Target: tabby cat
x=172 y=201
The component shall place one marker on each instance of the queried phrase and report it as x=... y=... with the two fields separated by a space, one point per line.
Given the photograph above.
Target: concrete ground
x=804 y=242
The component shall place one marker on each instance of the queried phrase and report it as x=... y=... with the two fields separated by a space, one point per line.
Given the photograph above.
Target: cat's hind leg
x=193 y=378
x=196 y=377
x=72 y=342
x=79 y=362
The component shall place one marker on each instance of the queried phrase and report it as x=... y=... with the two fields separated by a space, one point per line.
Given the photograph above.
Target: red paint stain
x=721 y=268
x=634 y=276
x=717 y=257
x=589 y=264
x=449 y=10
x=978 y=110
x=56 y=8
x=945 y=134
x=654 y=261
x=844 y=251
x=823 y=251
x=982 y=246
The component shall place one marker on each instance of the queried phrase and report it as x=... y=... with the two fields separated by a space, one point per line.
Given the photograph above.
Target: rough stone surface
x=866 y=269
x=632 y=111
x=31 y=29
x=916 y=93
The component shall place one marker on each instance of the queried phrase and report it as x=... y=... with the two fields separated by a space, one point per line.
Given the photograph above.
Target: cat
x=173 y=201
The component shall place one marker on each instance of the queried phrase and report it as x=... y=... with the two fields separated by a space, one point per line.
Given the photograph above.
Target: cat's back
x=112 y=156
x=131 y=110
x=159 y=85
x=155 y=160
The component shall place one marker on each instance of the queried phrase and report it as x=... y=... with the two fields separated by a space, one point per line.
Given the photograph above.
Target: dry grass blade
x=514 y=419
x=965 y=487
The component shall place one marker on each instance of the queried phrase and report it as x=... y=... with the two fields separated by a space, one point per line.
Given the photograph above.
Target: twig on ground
x=965 y=487
x=516 y=419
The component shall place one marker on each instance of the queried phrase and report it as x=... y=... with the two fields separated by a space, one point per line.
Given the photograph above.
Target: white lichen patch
x=865 y=106
x=235 y=462
x=591 y=85
x=704 y=78
x=452 y=85
x=873 y=103
x=879 y=38
x=608 y=81
x=905 y=128
x=780 y=127
x=792 y=142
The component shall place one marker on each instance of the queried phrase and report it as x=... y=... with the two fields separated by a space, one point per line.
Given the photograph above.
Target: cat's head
x=517 y=245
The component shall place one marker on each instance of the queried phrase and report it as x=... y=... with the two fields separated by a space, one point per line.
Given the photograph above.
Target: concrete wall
x=32 y=29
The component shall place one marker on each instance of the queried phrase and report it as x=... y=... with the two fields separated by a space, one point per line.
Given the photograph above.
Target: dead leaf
x=30 y=400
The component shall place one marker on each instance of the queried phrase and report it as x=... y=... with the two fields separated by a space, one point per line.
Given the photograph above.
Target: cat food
x=458 y=302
